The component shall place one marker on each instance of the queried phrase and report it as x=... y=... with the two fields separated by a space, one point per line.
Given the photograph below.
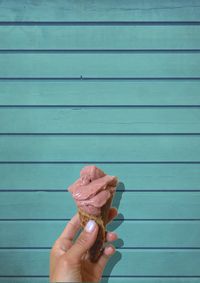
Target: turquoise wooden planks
x=100 y=37
x=122 y=65
x=106 y=280
x=132 y=205
x=156 y=219
x=127 y=10
x=146 y=234
x=115 y=92
x=115 y=148
x=133 y=176
x=100 y=120
x=130 y=263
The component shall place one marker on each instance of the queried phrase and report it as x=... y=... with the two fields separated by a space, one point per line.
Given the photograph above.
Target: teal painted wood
x=100 y=37
x=134 y=176
x=145 y=234
x=105 y=280
x=132 y=262
x=100 y=120
x=117 y=92
x=166 y=206
x=105 y=149
x=127 y=10
x=132 y=205
x=108 y=65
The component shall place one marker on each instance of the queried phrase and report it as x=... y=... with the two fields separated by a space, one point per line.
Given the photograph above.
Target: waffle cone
x=101 y=220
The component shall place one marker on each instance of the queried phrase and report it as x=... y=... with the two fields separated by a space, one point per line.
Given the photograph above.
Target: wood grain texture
x=132 y=205
x=105 y=149
x=127 y=10
x=108 y=65
x=106 y=280
x=100 y=37
x=100 y=120
x=117 y=92
x=145 y=234
x=146 y=262
x=132 y=176
x=49 y=134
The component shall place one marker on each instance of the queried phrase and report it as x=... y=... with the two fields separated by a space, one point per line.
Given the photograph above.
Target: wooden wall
x=111 y=83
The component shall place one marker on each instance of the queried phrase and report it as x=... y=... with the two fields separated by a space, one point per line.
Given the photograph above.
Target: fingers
x=108 y=251
x=111 y=236
x=74 y=224
x=112 y=214
x=64 y=242
x=84 y=241
x=87 y=237
x=72 y=228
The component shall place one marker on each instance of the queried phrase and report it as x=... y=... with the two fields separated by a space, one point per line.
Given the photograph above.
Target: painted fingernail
x=90 y=226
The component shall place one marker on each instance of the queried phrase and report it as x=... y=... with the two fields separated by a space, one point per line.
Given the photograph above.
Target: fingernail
x=90 y=226
x=110 y=250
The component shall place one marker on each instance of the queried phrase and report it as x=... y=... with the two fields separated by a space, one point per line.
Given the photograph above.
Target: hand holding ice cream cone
x=69 y=260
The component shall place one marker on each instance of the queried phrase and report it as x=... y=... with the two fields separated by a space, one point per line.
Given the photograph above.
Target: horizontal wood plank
x=145 y=234
x=105 y=149
x=125 y=263
x=115 y=92
x=106 y=280
x=100 y=120
x=132 y=205
x=32 y=220
x=127 y=10
x=133 y=176
x=100 y=65
x=100 y=37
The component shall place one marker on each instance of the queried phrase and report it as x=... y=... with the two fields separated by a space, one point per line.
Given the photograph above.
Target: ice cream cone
x=93 y=193
x=101 y=220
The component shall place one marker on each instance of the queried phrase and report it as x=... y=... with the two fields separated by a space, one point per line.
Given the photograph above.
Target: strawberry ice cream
x=92 y=190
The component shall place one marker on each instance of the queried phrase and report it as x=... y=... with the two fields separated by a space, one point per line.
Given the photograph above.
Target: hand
x=69 y=261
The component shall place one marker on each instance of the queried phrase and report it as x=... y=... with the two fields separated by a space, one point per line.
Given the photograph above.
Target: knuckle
x=65 y=262
x=82 y=240
x=55 y=250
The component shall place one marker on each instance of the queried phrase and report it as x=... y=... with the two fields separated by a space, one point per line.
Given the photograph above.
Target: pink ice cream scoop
x=92 y=190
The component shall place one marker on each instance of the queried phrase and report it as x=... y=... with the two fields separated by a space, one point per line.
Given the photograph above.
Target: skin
x=69 y=260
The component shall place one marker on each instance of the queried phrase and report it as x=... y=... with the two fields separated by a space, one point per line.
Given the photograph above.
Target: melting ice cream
x=92 y=190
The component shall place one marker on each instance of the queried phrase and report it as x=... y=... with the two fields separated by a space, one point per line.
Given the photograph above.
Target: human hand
x=69 y=260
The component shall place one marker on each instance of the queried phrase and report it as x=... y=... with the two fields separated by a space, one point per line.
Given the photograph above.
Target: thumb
x=84 y=241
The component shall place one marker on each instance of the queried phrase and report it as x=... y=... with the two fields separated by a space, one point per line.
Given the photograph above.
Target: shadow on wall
x=111 y=227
